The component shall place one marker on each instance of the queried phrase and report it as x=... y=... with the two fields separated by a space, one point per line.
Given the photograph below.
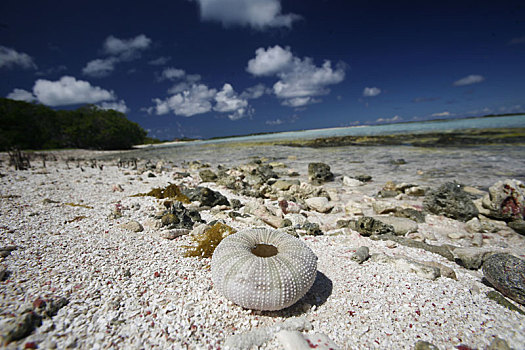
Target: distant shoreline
x=464 y=136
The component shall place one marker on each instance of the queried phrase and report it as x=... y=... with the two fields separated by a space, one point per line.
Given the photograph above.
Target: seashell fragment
x=263 y=269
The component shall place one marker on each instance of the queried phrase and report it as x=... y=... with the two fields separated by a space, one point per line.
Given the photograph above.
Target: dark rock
x=451 y=201
x=363 y=177
x=410 y=213
x=444 y=251
x=518 y=226
x=179 y=217
x=387 y=193
x=265 y=172
x=506 y=200
x=20 y=326
x=312 y=229
x=319 y=173
x=368 y=226
x=207 y=175
x=49 y=308
x=205 y=196
x=507 y=274
x=235 y=203
x=151 y=175
x=399 y=161
x=6 y=251
x=3 y=272
x=361 y=254
x=500 y=299
x=169 y=220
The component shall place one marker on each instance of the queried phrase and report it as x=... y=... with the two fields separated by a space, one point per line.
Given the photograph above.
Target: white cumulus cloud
x=471 y=79
x=10 y=57
x=100 y=67
x=371 y=91
x=119 y=106
x=227 y=101
x=172 y=73
x=69 y=91
x=299 y=79
x=271 y=61
x=254 y=92
x=118 y=50
x=196 y=100
x=21 y=95
x=258 y=14
x=126 y=48
x=160 y=61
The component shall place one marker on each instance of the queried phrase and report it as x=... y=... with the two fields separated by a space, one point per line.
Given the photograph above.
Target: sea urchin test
x=263 y=269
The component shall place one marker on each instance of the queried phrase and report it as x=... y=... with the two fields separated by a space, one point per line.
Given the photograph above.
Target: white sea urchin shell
x=263 y=269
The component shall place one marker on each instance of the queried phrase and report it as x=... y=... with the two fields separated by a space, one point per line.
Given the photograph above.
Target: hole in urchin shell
x=264 y=250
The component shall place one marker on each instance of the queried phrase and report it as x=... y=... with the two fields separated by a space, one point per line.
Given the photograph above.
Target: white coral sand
x=136 y=289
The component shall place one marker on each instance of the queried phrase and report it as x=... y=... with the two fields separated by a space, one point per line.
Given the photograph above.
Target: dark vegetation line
x=34 y=126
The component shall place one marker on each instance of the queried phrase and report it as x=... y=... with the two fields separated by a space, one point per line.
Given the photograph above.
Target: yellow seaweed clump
x=209 y=240
x=171 y=191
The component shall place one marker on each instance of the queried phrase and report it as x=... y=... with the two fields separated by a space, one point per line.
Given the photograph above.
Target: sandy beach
x=88 y=264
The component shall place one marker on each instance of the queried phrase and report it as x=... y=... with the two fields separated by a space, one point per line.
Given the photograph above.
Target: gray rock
x=319 y=173
x=320 y=204
x=368 y=226
x=442 y=250
x=498 y=344
x=444 y=270
x=383 y=207
x=410 y=213
x=506 y=200
x=284 y=185
x=262 y=212
x=133 y=225
x=402 y=226
x=207 y=175
x=19 y=327
x=451 y=201
x=518 y=226
x=471 y=258
x=424 y=345
x=507 y=274
x=407 y=265
x=350 y=182
x=361 y=254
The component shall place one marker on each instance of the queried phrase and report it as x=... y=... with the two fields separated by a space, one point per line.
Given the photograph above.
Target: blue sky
x=203 y=68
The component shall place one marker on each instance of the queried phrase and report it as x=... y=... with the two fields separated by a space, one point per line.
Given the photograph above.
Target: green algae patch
x=209 y=240
x=79 y=205
x=171 y=191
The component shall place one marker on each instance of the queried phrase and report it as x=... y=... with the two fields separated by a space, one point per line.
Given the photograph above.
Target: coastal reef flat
x=416 y=246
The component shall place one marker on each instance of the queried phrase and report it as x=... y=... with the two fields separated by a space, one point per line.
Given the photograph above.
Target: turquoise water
x=516 y=121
